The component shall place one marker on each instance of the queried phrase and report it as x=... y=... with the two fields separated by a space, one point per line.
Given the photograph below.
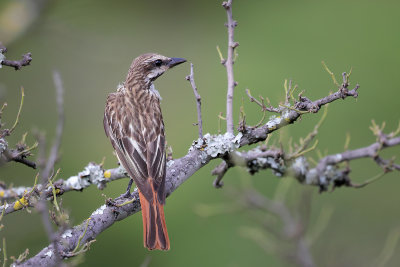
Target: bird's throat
x=154 y=91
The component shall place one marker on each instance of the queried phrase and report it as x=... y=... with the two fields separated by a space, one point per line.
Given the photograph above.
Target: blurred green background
x=92 y=43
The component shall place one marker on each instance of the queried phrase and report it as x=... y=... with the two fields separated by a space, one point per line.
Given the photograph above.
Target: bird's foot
x=127 y=194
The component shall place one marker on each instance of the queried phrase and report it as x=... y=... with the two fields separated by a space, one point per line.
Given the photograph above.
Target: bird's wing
x=139 y=142
x=156 y=158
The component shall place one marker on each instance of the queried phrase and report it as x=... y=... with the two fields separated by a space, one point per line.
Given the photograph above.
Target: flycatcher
x=134 y=124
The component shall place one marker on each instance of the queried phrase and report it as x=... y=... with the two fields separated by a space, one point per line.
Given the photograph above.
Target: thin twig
x=330 y=73
x=146 y=261
x=302 y=149
x=229 y=66
x=389 y=248
x=4 y=253
x=252 y=99
x=82 y=236
x=190 y=78
x=220 y=171
x=222 y=59
x=19 y=111
x=261 y=104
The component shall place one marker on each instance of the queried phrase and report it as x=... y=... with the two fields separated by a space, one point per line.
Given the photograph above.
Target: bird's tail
x=155 y=235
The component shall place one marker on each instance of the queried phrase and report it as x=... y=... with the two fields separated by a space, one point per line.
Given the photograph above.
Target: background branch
x=16 y=64
x=46 y=175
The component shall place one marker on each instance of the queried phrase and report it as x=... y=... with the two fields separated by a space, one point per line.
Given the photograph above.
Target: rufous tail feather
x=155 y=235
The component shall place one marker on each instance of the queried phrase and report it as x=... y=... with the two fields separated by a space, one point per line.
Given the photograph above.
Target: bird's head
x=149 y=67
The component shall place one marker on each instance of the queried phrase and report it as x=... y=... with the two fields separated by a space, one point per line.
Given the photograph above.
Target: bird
x=134 y=124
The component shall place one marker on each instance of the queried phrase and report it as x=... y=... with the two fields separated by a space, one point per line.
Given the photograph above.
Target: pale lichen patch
x=91 y=174
x=2 y=57
x=214 y=145
x=270 y=162
x=100 y=210
x=338 y=157
x=300 y=164
x=170 y=163
x=67 y=233
x=49 y=253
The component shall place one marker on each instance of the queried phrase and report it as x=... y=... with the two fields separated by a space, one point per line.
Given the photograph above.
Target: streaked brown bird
x=134 y=124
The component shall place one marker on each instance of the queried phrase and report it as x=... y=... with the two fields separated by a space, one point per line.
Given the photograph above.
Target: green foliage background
x=92 y=43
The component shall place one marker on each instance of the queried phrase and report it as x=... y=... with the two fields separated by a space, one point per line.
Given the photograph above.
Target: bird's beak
x=175 y=61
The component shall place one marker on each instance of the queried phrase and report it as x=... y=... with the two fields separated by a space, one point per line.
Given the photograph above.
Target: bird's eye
x=158 y=62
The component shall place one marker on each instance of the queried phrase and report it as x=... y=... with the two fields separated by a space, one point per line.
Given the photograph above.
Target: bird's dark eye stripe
x=158 y=62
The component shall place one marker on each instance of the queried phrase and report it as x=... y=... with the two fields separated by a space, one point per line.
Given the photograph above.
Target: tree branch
x=229 y=66
x=365 y=152
x=16 y=64
x=48 y=168
x=93 y=174
x=190 y=78
x=261 y=104
x=18 y=154
x=179 y=170
x=326 y=173
x=252 y=135
x=22 y=150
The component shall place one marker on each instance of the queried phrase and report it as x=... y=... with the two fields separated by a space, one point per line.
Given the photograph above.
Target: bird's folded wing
x=156 y=165
x=143 y=157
